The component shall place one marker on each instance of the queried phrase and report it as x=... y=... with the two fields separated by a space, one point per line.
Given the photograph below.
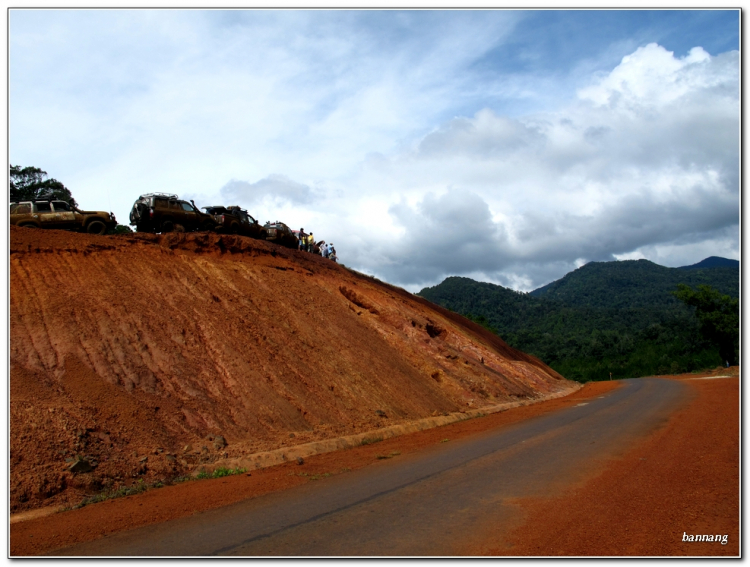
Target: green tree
x=719 y=317
x=27 y=183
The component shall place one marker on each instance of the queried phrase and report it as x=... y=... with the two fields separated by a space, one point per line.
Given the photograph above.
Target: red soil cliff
x=132 y=351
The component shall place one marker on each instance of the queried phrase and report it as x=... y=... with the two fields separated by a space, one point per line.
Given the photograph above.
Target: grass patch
x=141 y=486
x=137 y=488
x=371 y=440
x=220 y=472
x=445 y=440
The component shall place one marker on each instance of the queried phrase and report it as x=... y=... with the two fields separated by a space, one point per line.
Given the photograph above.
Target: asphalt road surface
x=437 y=502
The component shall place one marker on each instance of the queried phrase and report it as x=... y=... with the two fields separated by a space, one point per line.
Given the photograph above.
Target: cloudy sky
x=508 y=146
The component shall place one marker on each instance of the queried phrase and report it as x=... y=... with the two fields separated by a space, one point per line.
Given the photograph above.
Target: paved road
x=435 y=502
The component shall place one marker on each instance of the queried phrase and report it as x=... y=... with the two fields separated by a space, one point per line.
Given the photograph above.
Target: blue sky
x=510 y=146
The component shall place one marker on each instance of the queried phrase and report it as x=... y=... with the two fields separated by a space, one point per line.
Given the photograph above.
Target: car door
x=45 y=214
x=190 y=216
x=64 y=216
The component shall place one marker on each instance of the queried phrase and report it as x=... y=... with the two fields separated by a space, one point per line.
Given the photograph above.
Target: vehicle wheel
x=207 y=227
x=142 y=228
x=96 y=227
x=167 y=226
x=179 y=228
x=264 y=235
x=28 y=225
x=234 y=228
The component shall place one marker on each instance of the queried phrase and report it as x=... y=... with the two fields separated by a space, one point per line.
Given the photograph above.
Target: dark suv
x=162 y=212
x=236 y=220
x=280 y=233
x=51 y=213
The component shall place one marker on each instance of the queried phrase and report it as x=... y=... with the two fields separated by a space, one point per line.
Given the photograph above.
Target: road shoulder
x=43 y=535
x=682 y=481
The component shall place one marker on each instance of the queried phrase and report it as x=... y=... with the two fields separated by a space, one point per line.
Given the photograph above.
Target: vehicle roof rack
x=42 y=199
x=166 y=195
x=45 y=197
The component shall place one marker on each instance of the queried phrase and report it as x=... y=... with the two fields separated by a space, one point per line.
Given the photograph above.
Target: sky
x=508 y=146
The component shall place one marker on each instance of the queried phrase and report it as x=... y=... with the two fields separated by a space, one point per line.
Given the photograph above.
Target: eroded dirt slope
x=134 y=351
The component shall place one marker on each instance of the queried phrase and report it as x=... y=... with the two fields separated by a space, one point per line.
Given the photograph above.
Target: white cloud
x=647 y=157
x=377 y=131
x=274 y=187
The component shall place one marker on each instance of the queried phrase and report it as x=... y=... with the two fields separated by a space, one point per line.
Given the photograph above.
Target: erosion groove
x=130 y=351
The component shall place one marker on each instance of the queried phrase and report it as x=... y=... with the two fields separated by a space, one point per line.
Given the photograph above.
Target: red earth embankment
x=133 y=351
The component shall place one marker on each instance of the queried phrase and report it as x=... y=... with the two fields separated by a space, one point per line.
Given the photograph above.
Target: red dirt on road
x=43 y=535
x=684 y=479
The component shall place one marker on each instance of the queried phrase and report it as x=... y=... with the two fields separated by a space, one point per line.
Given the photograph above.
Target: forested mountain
x=634 y=283
x=618 y=317
x=713 y=262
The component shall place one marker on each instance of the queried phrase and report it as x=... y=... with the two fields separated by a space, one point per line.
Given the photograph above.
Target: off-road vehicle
x=280 y=233
x=163 y=212
x=236 y=220
x=54 y=213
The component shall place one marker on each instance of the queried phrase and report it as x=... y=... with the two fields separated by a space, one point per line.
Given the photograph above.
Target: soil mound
x=139 y=357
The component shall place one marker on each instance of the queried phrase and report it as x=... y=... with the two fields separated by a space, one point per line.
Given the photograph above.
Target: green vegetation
x=618 y=317
x=371 y=440
x=140 y=486
x=136 y=488
x=27 y=183
x=719 y=317
x=220 y=472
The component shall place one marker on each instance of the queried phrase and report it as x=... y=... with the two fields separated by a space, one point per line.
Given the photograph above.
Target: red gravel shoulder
x=684 y=480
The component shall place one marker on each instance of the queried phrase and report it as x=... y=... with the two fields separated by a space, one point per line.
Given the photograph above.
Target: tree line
x=677 y=328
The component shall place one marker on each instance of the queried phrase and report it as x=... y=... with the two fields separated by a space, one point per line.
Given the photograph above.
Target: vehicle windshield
x=61 y=206
x=187 y=207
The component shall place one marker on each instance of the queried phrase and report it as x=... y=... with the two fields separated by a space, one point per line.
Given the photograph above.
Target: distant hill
x=713 y=262
x=634 y=283
x=604 y=317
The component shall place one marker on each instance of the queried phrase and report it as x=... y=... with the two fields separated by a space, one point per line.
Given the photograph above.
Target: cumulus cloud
x=485 y=136
x=442 y=235
x=274 y=187
x=646 y=157
x=423 y=143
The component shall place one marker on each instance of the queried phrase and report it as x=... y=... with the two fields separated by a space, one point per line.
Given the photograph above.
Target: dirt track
x=131 y=351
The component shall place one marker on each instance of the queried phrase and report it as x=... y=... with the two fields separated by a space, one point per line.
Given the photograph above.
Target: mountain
x=145 y=353
x=604 y=317
x=634 y=283
x=713 y=262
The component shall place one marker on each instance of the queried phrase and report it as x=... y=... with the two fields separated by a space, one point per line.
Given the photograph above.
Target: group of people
x=307 y=243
